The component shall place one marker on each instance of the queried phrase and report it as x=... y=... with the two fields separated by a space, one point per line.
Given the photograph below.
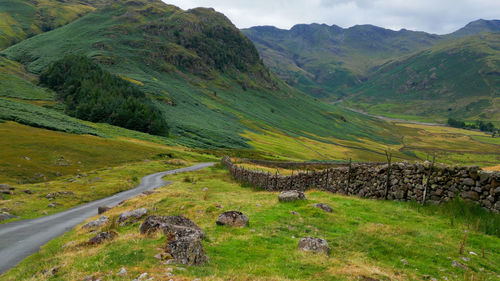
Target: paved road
x=22 y=238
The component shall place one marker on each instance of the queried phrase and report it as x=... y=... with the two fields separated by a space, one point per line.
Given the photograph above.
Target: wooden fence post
x=429 y=173
x=388 y=155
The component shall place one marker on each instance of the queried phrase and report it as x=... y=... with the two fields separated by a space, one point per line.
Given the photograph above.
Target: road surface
x=22 y=238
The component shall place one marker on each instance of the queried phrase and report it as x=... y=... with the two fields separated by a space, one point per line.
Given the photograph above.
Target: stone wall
x=407 y=182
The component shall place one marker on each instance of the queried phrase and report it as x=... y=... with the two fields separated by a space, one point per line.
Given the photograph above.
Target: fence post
x=388 y=155
x=429 y=173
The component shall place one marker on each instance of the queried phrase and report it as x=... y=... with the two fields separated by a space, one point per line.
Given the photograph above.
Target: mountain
x=21 y=19
x=338 y=64
x=326 y=61
x=458 y=79
x=199 y=70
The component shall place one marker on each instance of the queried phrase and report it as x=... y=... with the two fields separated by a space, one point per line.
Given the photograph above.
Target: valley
x=97 y=95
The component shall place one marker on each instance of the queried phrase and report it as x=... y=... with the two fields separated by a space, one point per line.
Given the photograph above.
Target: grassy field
x=368 y=239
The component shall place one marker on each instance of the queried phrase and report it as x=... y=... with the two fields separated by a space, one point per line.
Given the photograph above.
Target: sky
x=434 y=16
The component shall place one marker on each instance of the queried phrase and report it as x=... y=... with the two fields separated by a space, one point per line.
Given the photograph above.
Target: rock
x=5 y=191
x=6 y=216
x=405 y=262
x=233 y=218
x=205 y=189
x=6 y=187
x=54 y=195
x=27 y=191
x=101 y=237
x=102 y=209
x=187 y=250
x=96 y=223
x=458 y=264
x=172 y=226
x=316 y=245
x=51 y=272
x=291 y=195
x=53 y=205
x=122 y=272
x=135 y=214
x=466 y=259
x=469 y=182
x=471 y=195
x=324 y=207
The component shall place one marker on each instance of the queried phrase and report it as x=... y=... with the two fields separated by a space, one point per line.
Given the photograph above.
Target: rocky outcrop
x=233 y=218
x=407 y=182
x=176 y=226
x=315 y=245
x=6 y=216
x=291 y=195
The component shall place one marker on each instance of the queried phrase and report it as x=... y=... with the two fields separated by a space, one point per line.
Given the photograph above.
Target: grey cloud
x=435 y=16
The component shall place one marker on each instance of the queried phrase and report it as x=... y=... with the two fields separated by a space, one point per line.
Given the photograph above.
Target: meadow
x=370 y=240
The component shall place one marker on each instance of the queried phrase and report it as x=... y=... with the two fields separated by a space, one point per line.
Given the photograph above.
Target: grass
x=368 y=239
x=38 y=155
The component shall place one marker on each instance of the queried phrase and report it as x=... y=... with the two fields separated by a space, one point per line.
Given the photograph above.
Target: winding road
x=22 y=238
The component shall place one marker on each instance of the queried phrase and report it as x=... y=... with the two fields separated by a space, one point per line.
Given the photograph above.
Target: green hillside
x=459 y=79
x=21 y=19
x=204 y=75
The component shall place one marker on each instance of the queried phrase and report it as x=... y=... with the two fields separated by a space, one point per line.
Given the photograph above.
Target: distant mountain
x=332 y=63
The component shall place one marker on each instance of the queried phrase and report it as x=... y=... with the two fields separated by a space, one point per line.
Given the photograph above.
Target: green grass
x=368 y=239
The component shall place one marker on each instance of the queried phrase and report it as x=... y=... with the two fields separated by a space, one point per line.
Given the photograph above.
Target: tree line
x=478 y=125
x=93 y=94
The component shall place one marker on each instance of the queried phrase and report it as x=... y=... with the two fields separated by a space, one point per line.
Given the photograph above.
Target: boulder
x=54 y=195
x=102 y=209
x=173 y=226
x=187 y=250
x=324 y=207
x=101 y=237
x=6 y=187
x=132 y=215
x=96 y=223
x=291 y=195
x=315 y=245
x=233 y=218
x=183 y=238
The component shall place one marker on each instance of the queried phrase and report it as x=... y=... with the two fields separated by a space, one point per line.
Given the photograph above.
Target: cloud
x=435 y=16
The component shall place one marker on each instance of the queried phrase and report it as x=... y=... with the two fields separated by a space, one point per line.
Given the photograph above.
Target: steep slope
x=20 y=19
x=201 y=71
x=325 y=61
x=476 y=27
x=459 y=79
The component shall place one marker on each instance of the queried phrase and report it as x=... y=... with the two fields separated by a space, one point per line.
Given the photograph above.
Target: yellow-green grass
x=31 y=155
x=83 y=188
x=452 y=146
x=368 y=239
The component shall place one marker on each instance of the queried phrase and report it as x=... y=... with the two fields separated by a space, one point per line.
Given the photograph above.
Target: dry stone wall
x=407 y=182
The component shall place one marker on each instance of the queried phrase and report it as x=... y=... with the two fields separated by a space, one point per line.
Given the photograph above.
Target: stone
x=53 y=205
x=122 y=272
x=27 y=191
x=96 y=223
x=471 y=195
x=102 y=209
x=172 y=226
x=54 y=195
x=405 y=262
x=315 y=245
x=469 y=182
x=6 y=216
x=233 y=219
x=6 y=187
x=324 y=207
x=187 y=250
x=101 y=237
x=291 y=195
x=132 y=215
x=458 y=264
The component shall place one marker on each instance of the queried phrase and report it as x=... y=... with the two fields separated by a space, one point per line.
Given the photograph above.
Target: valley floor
x=370 y=240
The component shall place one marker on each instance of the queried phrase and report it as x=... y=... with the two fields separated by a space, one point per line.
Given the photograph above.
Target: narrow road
x=22 y=238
